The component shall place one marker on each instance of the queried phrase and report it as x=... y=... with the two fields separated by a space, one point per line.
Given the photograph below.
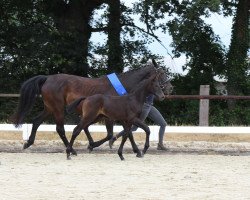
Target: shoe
x=161 y=147
x=111 y=142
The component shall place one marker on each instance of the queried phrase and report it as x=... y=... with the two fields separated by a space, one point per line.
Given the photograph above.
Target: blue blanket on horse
x=117 y=84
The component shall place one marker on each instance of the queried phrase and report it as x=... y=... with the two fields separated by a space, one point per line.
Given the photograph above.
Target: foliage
x=220 y=115
x=46 y=37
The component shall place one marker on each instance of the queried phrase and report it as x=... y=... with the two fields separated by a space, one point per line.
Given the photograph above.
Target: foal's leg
x=142 y=125
x=90 y=139
x=127 y=130
x=124 y=138
x=134 y=146
x=131 y=138
x=109 y=127
x=75 y=133
x=36 y=123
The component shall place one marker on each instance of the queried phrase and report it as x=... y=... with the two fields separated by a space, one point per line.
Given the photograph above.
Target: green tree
x=47 y=37
x=206 y=55
x=237 y=67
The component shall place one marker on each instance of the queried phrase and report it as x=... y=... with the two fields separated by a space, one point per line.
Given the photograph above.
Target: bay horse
x=124 y=109
x=61 y=89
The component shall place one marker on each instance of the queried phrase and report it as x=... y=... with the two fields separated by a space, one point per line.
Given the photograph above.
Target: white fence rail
x=26 y=129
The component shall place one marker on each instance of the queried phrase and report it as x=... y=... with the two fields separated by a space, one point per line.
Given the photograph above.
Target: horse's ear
x=154 y=76
x=154 y=63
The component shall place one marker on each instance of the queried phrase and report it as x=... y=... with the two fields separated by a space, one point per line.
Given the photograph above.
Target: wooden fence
x=204 y=98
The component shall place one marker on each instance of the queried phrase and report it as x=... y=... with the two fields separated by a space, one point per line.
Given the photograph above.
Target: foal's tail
x=29 y=91
x=72 y=107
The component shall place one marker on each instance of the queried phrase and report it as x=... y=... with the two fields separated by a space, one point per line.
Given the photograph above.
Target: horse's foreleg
x=36 y=123
x=75 y=133
x=59 y=118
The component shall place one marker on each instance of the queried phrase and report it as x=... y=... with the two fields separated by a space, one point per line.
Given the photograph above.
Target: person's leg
x=145 y=111
x=156 y=116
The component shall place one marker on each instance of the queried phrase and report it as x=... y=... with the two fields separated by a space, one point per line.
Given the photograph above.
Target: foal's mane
x=142 y=84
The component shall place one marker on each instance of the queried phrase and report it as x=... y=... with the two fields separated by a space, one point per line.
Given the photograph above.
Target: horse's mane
x=143 y=66
x=133 y=70
x=127 y=72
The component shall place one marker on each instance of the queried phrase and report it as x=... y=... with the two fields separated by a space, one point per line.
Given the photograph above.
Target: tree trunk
x=115 y=62
x=74 y=17
x=236 y=58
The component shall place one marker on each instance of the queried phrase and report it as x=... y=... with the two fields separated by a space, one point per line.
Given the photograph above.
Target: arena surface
x=207 y=167
x=47 y=176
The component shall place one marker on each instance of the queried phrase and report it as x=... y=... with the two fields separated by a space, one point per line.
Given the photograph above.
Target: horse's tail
x=29 y=91
x=72 y=107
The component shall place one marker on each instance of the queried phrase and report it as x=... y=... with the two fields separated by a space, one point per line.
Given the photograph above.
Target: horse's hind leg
x=36 y=123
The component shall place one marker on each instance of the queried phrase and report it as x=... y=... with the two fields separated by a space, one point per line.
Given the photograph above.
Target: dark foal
x=125 y=109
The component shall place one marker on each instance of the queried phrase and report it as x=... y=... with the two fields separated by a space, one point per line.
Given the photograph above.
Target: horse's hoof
x=111 y=142
x=73 y=152
x=26 y=145
x=90 y=148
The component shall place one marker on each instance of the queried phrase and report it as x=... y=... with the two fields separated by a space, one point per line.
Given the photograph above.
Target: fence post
x=204 y=106
x=154 y=133
x=26 y=131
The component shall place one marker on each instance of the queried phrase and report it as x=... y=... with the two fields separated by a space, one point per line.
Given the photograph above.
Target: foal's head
x=154 y=88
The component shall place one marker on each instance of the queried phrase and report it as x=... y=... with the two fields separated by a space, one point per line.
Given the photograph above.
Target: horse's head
x=164 y=81
x=133 y=77
x=155 y=88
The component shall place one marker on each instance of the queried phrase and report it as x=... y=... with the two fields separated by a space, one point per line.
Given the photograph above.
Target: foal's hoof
x=26 y=145
x=144 y=151
x=135 y=150
x=121 y=157
x=73 y=152
x=68 y=157
x=139 y=155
